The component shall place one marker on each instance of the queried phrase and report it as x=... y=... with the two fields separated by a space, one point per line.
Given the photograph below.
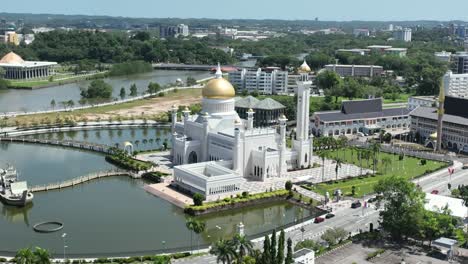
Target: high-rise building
x=460 y=62
x=460 y=30
x=456 y=85
x=173 y=31
x=361 y=32
x=272 y=81
x=403 y=34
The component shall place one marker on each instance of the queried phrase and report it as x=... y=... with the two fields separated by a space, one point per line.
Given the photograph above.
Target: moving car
x=328 y=216
x=356 y=204
x=435 y=192
x=319 y=220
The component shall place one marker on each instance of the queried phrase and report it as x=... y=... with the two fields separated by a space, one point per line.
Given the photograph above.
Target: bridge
x=192 y=67
x=82 y=179
x=65 y=143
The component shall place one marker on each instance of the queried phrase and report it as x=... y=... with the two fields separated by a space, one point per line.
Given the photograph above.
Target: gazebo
x=17 y=69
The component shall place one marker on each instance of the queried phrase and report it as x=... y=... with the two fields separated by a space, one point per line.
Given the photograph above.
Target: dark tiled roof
x=247 y=102
x=332 y=116
x=362 y=106
x=431 y=113
x=456 y=106
x=268 y=104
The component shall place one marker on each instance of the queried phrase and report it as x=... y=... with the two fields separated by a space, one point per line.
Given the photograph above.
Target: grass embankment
x=155 y=177
x=108 y=112
x=408 y=167
x=238 y=200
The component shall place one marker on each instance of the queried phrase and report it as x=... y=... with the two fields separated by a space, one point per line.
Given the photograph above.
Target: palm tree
x=375 y=147
x=42 y=256
x=322 y=155
x=338 y=166
x=25 y=256
x=199 y=228
x=243 y=245
x=223 y=251
x=190 y=224
x=385 y=162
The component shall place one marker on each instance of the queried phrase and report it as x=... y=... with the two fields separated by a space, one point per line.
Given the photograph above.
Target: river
x=16 y=100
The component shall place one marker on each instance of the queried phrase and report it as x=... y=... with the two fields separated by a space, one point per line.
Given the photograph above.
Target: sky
x=336 y=10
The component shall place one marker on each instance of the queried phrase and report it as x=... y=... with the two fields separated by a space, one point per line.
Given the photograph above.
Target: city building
x=378 y=48
x=454 y=136
x=11 y=38
x=267 y=81
x=304 y=256
x=443 y=56
x=216 y=151
x=267 y=111
x=401 y=52
x=417 y=101
x=361 y=32
x=361 y=52
x=17 y=68
x=355 y=70
x=456 y=85
x=366 y=116
x=403 y=34
x=173 y=31
x=460 y=31
x=270 y=80
x=460 y=62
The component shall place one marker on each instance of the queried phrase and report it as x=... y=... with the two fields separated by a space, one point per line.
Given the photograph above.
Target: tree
x=288 y=185
x=191 y=81
x=351 y=88
x=334 y=236
x=98 y=89
x=4 y=84
x=330 y=82
x=133 y=90
x=375 y=148
x=191 y=225
x=273 y=247
x=289 y=254
x=280 y=255
x=198 y=229
x=337 y=166
x=25 y=256
x=403 y=206
x=122 y=93
x=223 y=251
x=70 y=103
x=41 y=256
x=153 y=88
x=53 y=104
x=198 y=199
x=243 y=245
x=266 y=258
x=322 y=156
x=386 y=161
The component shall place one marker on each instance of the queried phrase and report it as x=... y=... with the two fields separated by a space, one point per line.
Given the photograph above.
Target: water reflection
x=15 y=214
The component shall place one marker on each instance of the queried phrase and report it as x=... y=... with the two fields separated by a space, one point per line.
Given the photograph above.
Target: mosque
x=215 y=152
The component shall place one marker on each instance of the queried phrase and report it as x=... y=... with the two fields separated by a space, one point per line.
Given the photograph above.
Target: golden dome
x=218 y=88
x=12 y=58
x=304 y=68
x=283 y=117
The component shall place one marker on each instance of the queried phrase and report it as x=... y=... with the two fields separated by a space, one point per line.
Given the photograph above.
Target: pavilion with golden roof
x=18 y=69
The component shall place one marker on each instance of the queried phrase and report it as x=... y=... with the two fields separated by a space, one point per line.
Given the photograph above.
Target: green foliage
x=310 y=244
x=334 y=236
x=153 y=88
x=281 y=61
x=155 y=177
x=198 y=199
x=4 y=84
x=288 y=185
x=191 y=81
x=131 y=67
x=122 y=93
x=281 y=244
x=375 y=254
x=224 y=251
x=98 y=89
x=133 y=90
x=289 y=254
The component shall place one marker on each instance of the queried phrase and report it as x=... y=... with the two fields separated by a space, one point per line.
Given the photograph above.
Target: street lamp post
x=64 y=235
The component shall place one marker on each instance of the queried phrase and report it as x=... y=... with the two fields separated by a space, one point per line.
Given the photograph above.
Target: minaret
x=250 y=119
x=173 y=130
x=440 y=116
x=282 y=146
x=237 y=151
x=204 y=142
x=302 y=142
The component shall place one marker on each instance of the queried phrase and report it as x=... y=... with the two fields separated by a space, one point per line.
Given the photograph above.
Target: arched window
x=305 y=157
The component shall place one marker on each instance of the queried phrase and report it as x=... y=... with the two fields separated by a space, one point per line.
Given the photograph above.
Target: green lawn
x=409 y=168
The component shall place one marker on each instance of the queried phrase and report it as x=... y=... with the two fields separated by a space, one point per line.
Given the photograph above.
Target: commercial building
x=401 y=52
x=454 y=124
x=355 y=70
x=267 y=111
x=456 y=85
x=366 y=116
x=443 y=56
x=173 y=31
x=304 y=256
x=17 y=68
x=11 y=38
x=417 y=101
x=460 y=31
x=378 y=48
x=214 y=152
x=361 y=32
x=403 y=34
x=460 y=62
x=361 y=52
x=266 y=81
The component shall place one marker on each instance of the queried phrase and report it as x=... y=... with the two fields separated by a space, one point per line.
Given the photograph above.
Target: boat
x=12 y=191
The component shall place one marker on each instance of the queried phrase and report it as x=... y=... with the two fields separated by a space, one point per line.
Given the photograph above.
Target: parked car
x=371 y=200
x=328 y=216
x=319 y=220
x=360 y=134
x=465 y=166
x=435 y=192
x=356 y=204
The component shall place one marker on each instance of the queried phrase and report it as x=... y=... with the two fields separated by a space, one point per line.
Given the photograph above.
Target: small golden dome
x=304 y=68
x=186 y=109
x=283 y=117
x=218 y=88
x=433 y=136
x=250 y=110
